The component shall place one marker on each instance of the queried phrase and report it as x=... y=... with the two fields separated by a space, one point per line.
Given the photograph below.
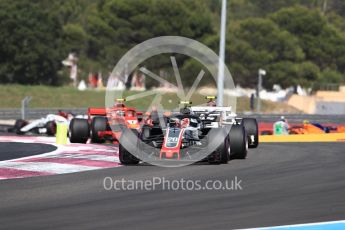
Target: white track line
x=85 y=156
x=54 y=168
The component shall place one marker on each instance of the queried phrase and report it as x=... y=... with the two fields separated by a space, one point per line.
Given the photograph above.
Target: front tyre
x=125 y=157
x=225 y=151
x=145 y=133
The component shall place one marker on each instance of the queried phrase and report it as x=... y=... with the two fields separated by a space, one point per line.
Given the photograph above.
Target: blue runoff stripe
x=333 y=225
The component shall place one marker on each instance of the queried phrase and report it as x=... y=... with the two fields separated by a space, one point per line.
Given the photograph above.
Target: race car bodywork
x=104 y=124
x=180 y=133
x=180 y=140
x=307 y=128
x=45 y=125
x=187 y=136
x=172 y=143
x=217 y=117
x=116 y=116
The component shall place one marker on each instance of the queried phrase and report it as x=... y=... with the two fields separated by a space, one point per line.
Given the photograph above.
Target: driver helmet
x=174 y=121
x=185 y=111
x=212 y=103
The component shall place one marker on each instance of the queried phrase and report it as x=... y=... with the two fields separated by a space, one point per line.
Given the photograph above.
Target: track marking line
x=330 y=225
x=54 y=168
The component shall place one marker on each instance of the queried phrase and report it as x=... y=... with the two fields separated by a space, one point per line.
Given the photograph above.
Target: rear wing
x=97 y=112
x=103 y=112
x=225 y=113
x=210 y=109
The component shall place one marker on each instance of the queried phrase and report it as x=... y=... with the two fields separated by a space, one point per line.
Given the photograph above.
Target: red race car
x=104 y=124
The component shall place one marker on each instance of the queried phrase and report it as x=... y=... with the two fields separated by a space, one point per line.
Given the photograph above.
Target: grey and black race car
x=212 y=134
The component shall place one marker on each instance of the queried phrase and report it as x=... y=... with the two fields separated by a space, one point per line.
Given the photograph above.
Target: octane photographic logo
x=132 y=61
x=162 y=183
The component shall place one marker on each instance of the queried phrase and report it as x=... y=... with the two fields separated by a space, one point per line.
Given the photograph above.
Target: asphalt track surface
x=15 y=150
x=282 y=184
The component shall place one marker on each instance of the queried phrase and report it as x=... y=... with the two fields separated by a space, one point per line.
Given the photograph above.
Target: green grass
x=49 y=97
x=68 y=97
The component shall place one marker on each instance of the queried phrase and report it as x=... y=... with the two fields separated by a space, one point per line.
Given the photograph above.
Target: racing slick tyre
x=238 y=142
x=51 y=128
x=98 y=124
x=252 y=130
x=18 y=125
x=145 y=133
x=225 y=151
x=125 y=157
x=79 y=131
x=222 y=154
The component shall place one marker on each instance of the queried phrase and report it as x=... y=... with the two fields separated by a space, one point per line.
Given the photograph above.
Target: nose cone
x=132 y=124
x=170 y=155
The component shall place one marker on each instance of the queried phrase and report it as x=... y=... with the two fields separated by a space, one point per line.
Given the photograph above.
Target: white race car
x=244 y=131
x=45 y=125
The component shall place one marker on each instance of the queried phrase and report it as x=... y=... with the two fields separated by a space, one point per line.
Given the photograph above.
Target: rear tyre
x=18 y=125
x=79 y=131
x=252 y=130
x=98 y=124
x=238 y=142
x=51 y=128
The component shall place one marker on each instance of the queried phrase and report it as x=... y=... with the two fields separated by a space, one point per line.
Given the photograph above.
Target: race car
x=305 y=128
x=104 y=124
x=43 y=126
x=218 y=117
x=189 y=135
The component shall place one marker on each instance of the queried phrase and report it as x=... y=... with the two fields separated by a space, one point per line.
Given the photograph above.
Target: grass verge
x=68 y=97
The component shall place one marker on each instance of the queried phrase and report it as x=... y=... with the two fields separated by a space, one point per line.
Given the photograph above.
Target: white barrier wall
x=330 y=108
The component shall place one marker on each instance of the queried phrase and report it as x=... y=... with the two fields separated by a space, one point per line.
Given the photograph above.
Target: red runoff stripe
x=10 y=173
x=74 y=161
